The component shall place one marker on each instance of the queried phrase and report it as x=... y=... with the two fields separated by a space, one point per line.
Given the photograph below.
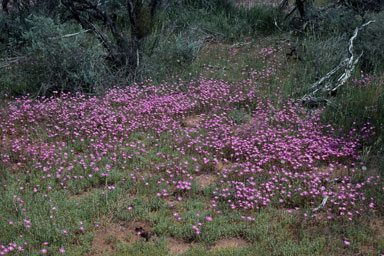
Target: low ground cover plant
x=195 y=160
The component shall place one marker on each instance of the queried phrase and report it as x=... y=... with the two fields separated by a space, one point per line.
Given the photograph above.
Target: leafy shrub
x=260 y=18
x=53 y=61
x=13 y=21
x=330 y=21
x=210 y=5
x=372 y=44
x=362 y=6
x=11 y=30
x=330 y=26
x=223 y=19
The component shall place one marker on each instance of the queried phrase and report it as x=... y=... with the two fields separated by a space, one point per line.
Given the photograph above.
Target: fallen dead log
x=325 y=199
x=325 y=85
x=349 y=64
x=71 y=35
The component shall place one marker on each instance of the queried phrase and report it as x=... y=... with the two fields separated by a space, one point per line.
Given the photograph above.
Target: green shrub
x=11 y=30
x=210 y=5
x=371 y=43
x=53 y=62
x=222 y=18
x=259 y=19
x=362 y=6
x=328 y=22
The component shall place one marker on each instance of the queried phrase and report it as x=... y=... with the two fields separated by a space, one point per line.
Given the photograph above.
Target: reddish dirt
x=177 y=247
x=367 y=250
x=337 y=172
x=377 y=225
x=340 y=172
x=220 y=166
x=171 y=201
x=230 y=243
x=205 y=180
x=192 y=121
x=107 y=238
x=209 y=168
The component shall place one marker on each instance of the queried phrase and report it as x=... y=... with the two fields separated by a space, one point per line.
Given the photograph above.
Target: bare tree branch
x=349 y=65
x=123 y=50
x=71 y=35
x=325 y=199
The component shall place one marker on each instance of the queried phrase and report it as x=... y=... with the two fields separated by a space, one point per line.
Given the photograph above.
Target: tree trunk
x=300 y=5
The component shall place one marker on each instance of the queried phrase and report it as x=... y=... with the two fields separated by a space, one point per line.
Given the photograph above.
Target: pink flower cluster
x=273 y=157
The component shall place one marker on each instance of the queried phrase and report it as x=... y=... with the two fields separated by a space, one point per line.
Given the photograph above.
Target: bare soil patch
x=221 y=165
x=338 y=172
x=106 y=239
x=177 y=247
x=377 y=225
x=205 y=180
x=210 y=168
x=141 y=229
x=171 y=201
x=192 y=121
x=230 y=243
x=367 y=250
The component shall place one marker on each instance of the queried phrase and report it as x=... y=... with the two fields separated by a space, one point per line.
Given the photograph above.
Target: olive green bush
x=56 y=57
x=371 y=43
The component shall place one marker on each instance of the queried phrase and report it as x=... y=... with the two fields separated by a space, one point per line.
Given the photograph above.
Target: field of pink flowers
x=240 y=149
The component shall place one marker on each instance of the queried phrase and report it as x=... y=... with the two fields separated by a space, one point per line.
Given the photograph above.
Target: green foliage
x=238 y=116
x=11 y=30
x=144 y=249
x=144 y=22
x=171 y=42
x=181 y=49
x=371 y=43
x=332 y=21
x=210 y=5
x=361 y=99
x=223 y=20
x=184 y=27
x=363 y=6
x=361 y=102
x=259 y=19
x=327 y=26
x=53 y=61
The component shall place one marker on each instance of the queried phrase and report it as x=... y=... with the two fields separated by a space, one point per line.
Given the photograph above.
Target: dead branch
x=349 y=65
x=71 y=35
x=328 y=75
x=325 y=199
x=282 y=5
x=277 y=25
x=239 y=45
